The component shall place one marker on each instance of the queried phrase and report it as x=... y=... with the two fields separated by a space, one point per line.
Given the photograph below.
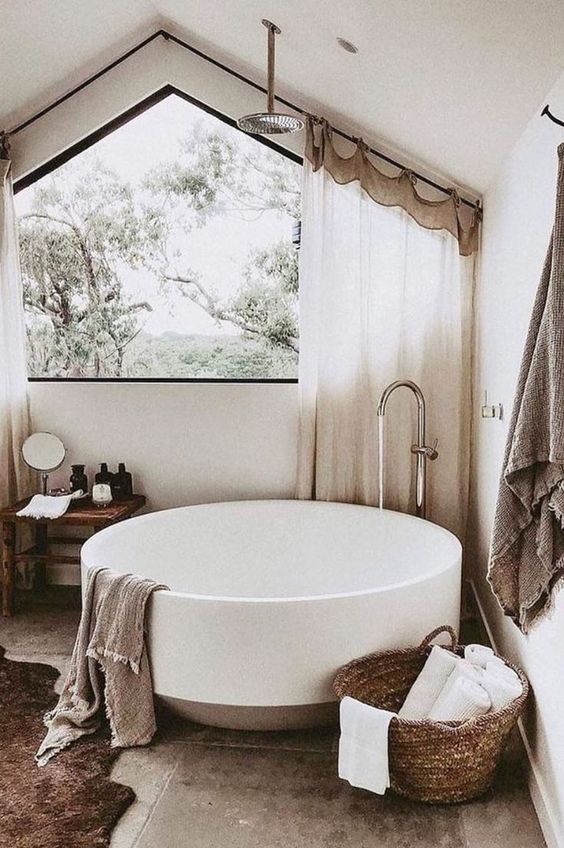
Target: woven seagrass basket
x=434 y=762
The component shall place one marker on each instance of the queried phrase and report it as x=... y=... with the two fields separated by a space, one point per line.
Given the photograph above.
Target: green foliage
x=277 y=265
x=227 y=357
x=212 y=174
x=81 y=229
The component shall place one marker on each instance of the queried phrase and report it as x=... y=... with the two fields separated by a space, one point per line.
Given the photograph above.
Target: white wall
x=184 y=442
x=519 y=210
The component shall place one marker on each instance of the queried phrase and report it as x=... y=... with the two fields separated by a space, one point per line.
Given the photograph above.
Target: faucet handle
x=426 y=451
x=432 y=453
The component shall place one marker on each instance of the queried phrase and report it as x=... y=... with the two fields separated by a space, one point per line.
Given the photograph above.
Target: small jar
x=101 y=494
x=78 y=479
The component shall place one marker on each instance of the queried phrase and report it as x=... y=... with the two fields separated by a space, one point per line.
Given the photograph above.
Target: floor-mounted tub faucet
x=422 y=451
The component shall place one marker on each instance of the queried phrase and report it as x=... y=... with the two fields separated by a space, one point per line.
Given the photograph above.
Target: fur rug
x=71 y=801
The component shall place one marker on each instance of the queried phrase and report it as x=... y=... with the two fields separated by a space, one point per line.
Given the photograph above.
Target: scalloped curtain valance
x=392 y=191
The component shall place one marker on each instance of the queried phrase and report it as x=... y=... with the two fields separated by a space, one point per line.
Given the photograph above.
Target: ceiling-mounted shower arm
x=546 y=111
x=270 y=122
x=273 y=31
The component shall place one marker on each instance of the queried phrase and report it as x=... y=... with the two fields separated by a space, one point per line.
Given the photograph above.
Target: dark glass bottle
x=103 y=475
x=78 y=479
x=122 y=484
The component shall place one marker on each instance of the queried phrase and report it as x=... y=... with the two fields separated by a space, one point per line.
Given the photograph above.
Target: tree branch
x=120 y=347
x=208 y=303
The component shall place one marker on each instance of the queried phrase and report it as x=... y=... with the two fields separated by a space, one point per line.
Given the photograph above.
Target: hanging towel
x=428 y=684
x=49 y=506
x=363 y=746
x=527 y=551
x=460 y=700
x=478 y=654
x=109 y=665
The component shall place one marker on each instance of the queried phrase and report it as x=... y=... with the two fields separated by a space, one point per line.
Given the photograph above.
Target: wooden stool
x=81 y=513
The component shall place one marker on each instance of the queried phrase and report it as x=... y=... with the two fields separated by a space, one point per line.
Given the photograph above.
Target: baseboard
x=539 y=796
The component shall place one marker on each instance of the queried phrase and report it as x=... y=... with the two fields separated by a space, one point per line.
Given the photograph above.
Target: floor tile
x=506 y=816
x=147 y=771
x=40 y=630
x=251 y=797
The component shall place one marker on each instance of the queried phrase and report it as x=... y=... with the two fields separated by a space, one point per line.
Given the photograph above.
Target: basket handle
x=444 y=628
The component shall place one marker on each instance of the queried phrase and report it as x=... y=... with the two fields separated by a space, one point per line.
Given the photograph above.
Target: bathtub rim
x=452 y=561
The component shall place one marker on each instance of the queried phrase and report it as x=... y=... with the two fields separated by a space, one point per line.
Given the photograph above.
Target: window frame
x=88 y=141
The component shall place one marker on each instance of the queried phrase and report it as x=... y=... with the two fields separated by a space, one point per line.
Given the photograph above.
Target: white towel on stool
x=502 y=685
x=478 y=654
x=363 y=746
x=462 y=698
x=429 y=683
x=48 y=506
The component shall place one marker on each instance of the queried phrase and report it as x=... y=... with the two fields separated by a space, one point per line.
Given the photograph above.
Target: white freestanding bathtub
x=268 y=598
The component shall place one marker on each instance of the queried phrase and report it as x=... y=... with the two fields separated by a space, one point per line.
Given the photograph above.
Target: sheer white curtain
x=15 y=479
x=381 y=298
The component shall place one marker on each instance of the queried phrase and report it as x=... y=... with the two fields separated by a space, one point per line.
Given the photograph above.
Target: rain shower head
x=270 y=122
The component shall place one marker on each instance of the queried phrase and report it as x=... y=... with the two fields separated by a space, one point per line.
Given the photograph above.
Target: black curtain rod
x=168 y=36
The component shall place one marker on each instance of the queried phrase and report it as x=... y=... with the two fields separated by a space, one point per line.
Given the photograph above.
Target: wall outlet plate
x=491 y=410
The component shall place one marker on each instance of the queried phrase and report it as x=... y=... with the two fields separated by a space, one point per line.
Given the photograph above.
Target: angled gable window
x=163 y=250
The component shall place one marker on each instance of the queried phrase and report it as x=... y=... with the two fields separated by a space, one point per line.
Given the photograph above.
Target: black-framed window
x=162 y=247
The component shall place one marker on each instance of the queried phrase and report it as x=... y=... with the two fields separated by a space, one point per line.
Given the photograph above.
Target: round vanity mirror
x=43 y=452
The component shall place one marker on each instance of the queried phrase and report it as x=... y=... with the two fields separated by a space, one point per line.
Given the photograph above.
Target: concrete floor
x=210 y=788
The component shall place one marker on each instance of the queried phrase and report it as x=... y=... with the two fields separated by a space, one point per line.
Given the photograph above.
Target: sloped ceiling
x=450 y=83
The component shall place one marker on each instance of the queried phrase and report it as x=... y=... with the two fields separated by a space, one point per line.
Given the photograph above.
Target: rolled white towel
x=363 y=746
x=495 y=660
x=503 y=686
x=428 y=684
x=478 y=654
x=460 y=700
x=468 y=669
x=498 y=667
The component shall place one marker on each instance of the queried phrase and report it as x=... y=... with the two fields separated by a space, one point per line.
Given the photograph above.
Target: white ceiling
x=451 y=83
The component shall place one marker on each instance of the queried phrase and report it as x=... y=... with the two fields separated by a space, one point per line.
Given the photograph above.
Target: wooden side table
x=81 y=513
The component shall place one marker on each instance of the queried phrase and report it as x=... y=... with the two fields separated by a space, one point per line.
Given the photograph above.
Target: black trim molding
x=268 y=380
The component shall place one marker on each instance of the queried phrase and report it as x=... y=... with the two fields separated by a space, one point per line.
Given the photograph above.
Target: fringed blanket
x=527 y=553
x=109 y=667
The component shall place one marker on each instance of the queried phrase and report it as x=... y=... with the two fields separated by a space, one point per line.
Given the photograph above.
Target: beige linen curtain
x=382 y=297
x=15 y=478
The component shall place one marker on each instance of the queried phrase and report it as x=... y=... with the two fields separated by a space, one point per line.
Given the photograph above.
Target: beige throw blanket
x=109 y=666
x=527 y=553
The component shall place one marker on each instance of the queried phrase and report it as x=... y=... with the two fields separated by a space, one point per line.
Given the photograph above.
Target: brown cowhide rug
x=71 y=802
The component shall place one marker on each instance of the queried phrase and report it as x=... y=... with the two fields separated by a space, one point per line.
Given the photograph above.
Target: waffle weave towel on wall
x=527 y=553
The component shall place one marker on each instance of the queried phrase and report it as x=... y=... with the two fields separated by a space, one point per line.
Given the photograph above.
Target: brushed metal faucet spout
x=422 y=451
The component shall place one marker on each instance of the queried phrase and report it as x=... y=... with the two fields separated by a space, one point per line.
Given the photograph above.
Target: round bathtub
x=268 y=598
